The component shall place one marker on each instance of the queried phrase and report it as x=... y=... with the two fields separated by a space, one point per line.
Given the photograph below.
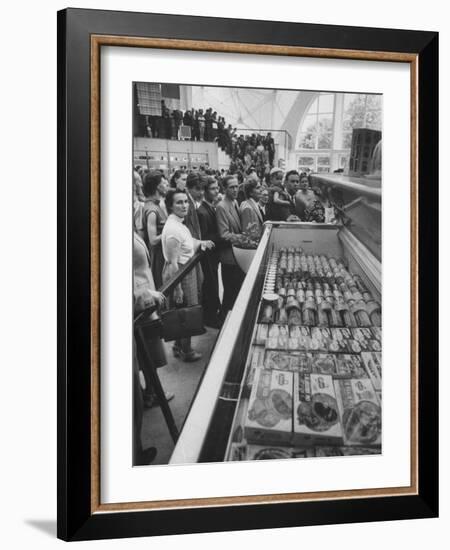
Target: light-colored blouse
x=175 y=230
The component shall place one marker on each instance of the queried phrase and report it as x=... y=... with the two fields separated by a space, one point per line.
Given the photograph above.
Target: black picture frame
x=77 y=516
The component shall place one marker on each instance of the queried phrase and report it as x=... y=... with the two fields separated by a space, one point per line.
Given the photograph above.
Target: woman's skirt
x=191 y=285
x=157 y=263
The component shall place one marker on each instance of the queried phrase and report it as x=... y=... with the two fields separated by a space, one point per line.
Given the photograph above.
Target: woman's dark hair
x=151 y=182
x=249 y=187
x=176 y=175
x=170 y=197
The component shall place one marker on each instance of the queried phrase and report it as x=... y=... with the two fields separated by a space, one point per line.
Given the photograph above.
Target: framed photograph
x=247 y=287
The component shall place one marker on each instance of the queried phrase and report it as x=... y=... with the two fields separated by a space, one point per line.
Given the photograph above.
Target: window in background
x=317 y=126
x=360 y=111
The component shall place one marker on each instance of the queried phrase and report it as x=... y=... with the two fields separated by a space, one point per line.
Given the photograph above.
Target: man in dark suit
x=210 y=262
x=195 y=184
x=230 y=232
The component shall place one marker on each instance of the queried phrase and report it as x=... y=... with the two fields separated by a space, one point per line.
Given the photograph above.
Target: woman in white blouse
x=178 y=247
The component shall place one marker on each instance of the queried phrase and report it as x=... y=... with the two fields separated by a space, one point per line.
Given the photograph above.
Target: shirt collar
x=176 y=218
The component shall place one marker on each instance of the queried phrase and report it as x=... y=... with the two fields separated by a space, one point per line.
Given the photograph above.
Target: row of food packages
x=302 y=338
x=245 y=451
x=364 y=365
x=309 y=409
x=296 y=260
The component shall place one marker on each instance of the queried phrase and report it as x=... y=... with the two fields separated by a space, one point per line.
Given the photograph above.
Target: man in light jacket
x=251 y=215
x=230 y=232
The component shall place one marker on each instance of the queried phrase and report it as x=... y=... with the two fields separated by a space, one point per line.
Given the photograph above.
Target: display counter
x=359 y=202
x=217 y=426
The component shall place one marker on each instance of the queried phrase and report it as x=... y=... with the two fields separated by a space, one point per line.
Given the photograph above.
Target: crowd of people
x=210 y=211
x=206 y=125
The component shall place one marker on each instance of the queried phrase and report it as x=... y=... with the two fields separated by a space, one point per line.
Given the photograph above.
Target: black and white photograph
x=257 y=271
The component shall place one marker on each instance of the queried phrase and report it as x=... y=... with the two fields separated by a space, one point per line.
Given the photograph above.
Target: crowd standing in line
x=221 y=211
x=176 y=215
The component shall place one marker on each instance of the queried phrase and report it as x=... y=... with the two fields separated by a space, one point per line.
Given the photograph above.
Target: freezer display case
x=296 y=370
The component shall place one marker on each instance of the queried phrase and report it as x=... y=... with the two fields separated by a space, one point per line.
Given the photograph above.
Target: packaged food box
x=310 y=344
x=361 y=338
x=269 y=414
x=360 y=411
x=285 y=360
x=322 y=336
x=341 y=333
x=278 y=359
x=374 y=345
x=283 y=337
x=376 y=331
x=334 y=346
x=323 y=363
x=249 y=379
x=338 y=341
x=265 y=452
x=372 y=364
x=345 y=451
x=350 y=366
x=316 y=415
x=257 y=356
x=379 y=396
x=261 y=334
x=361 y=333
x=237 y=452
x=272 y=337
x=293 y=343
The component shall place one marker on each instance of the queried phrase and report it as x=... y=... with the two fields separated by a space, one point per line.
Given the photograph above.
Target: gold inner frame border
x=97 y=41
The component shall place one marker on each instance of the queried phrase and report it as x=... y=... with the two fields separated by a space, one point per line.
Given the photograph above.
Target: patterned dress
x=315 y=212
x=156 y=255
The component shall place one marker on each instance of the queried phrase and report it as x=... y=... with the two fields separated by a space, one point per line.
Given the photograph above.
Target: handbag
x=182 y=322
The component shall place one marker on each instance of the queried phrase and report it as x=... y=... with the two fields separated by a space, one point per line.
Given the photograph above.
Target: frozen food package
x=345 y=451
x=265 y=452
x=290 y=361
x=261 y=334
x=316 y=416
x=257 y=356
x=269 y=414
x=372 y=364
x=360 y=411
x=350 y=366
x=323 y=363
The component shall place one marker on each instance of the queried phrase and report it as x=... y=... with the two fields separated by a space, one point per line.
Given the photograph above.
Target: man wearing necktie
x=210 y=262
x=195 y=185
x=251 y=215
x=263 y=201
x=230 y=232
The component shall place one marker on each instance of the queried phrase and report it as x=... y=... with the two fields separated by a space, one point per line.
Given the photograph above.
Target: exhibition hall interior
x=257 y=274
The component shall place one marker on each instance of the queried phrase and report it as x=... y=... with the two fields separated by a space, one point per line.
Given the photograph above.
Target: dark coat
x=191 y=221
x=208 y=223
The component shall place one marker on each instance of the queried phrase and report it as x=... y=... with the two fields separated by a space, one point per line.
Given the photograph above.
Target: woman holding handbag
x=178 y=247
